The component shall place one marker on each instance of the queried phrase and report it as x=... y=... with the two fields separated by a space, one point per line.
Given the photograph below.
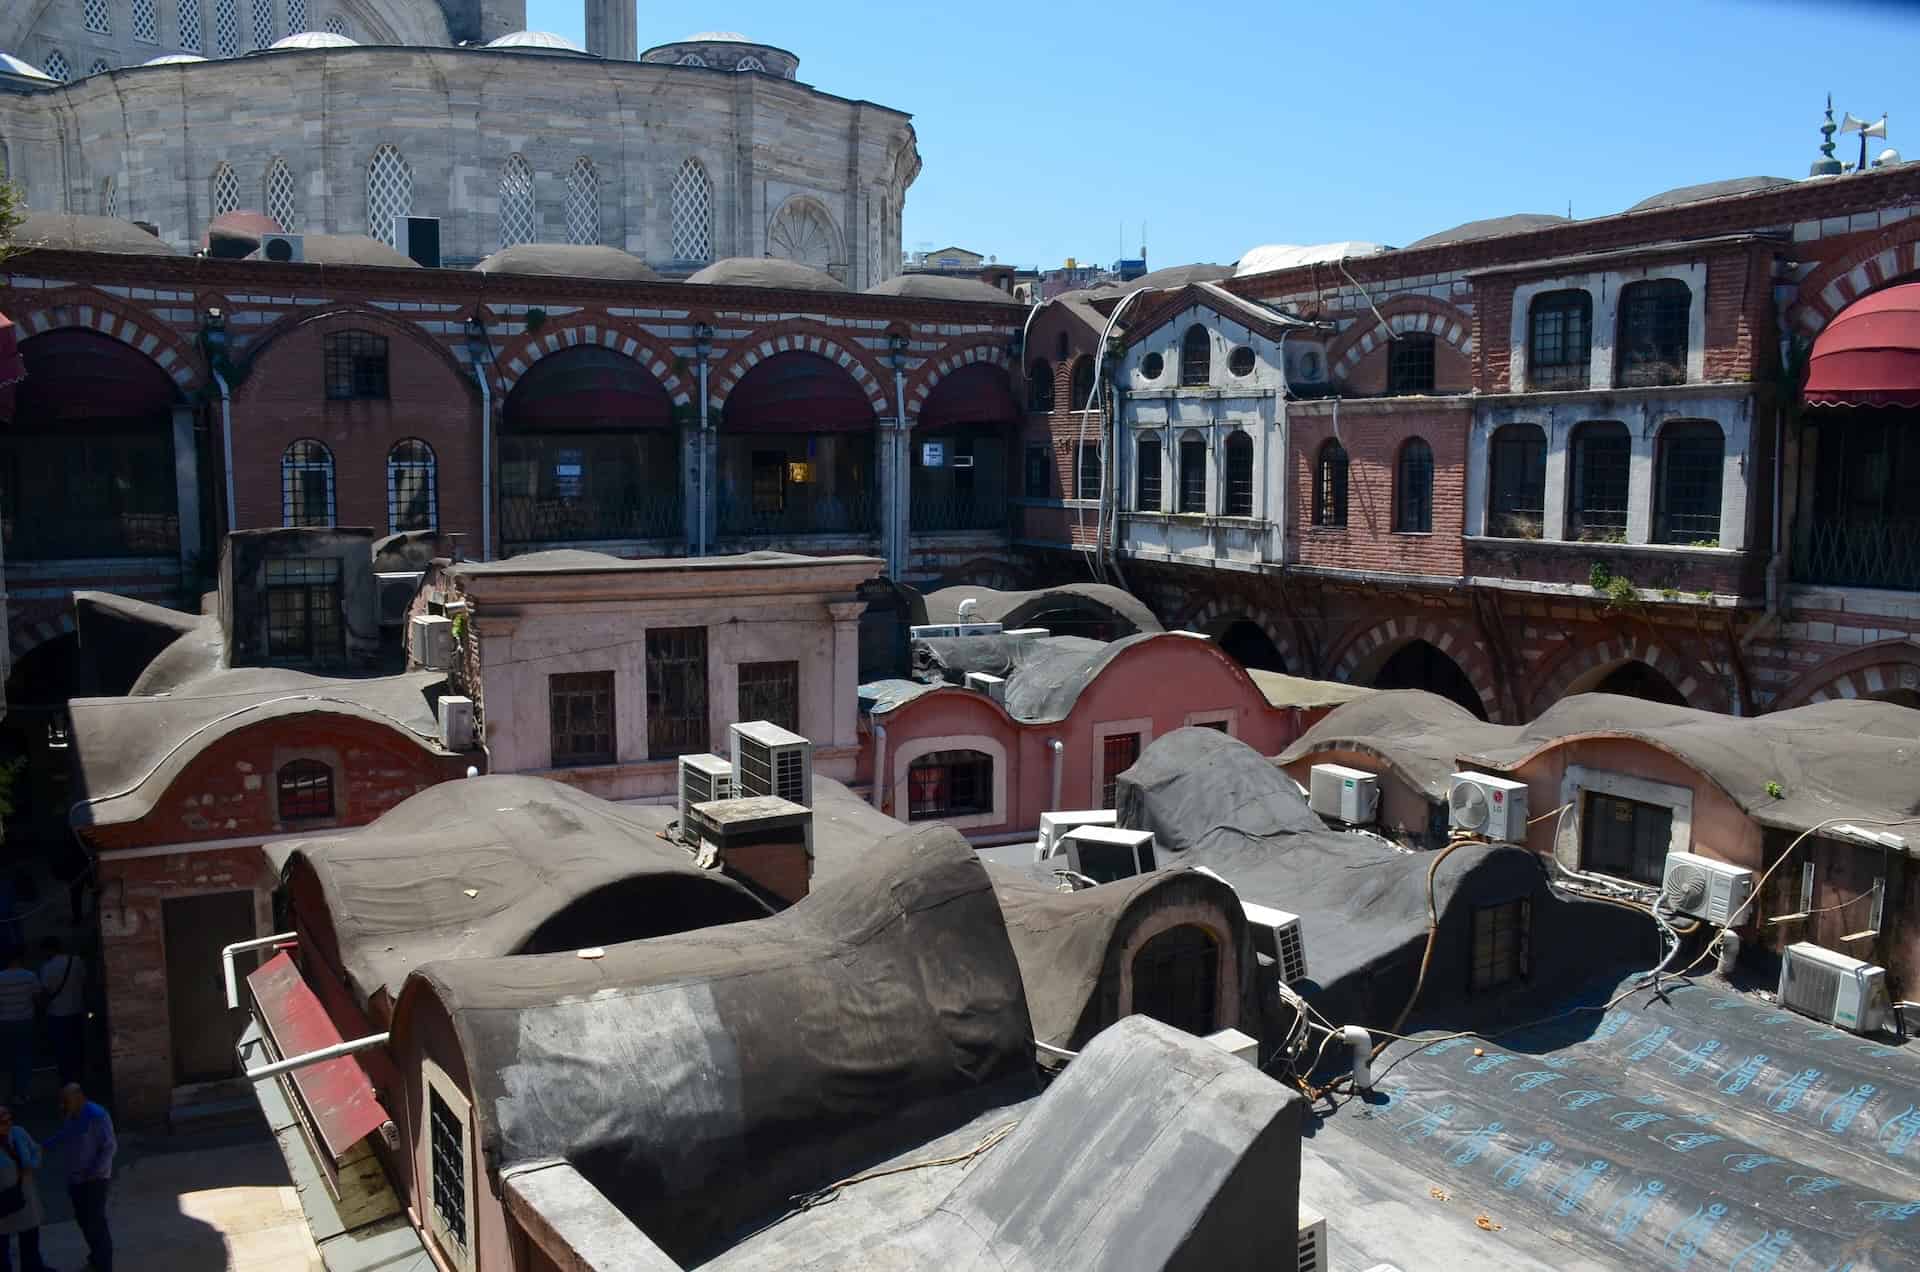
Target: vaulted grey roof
x=767 y=271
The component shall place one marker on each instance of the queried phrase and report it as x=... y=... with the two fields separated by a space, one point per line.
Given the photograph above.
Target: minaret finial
x=1826 y=165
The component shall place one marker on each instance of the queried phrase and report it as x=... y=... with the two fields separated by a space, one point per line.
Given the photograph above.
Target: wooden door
x=203 y=1031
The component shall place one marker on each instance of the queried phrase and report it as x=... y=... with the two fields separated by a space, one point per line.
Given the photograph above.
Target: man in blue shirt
x=87 y=1135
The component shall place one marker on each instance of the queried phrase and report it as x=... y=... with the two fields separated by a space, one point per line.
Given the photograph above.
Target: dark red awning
x=12 y=369
x=338 y=1094
x=1870 y=354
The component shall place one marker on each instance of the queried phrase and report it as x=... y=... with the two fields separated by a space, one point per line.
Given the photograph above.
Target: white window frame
x=992 y=748
x=1581 y=780
x=434 y=1079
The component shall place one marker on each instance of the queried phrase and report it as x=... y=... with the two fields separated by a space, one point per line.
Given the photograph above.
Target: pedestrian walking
x=63 y=988
x=86 y=1137
x=19 y=1195
x=19 y=988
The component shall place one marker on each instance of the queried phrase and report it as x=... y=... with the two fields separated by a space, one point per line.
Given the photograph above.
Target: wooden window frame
x=564 y=689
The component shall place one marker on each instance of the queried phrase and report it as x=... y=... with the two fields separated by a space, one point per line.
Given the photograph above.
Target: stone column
x=186 y=485
x=846 y=670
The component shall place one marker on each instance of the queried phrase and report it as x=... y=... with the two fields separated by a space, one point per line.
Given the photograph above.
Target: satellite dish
x=1469 y=804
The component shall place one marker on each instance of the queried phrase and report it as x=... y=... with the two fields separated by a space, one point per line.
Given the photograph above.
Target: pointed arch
x=1360 y=657
x=518 y=223
x=1219 y=616
x=1692 y=682
x=223 y=190
x=586 y=328
x=1881 y=670
x=389 y=193
x=97 y=311
x=803 y=230
x=961 y=353
x=583 y=202
x=838 y=346
x=1890 y=257
x=281 y=198
x=692 y=202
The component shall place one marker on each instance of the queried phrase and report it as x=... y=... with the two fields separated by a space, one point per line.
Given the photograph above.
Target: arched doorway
x=1248 y=644
x=1419 y=664
x=796 y=451
x=960 y=453
x=1630 y=678
x=588 y=452
x=1176 y=979
x=87 y=465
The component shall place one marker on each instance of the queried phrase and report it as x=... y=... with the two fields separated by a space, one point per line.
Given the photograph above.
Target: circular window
x=1240 y=361
x=1152 y=365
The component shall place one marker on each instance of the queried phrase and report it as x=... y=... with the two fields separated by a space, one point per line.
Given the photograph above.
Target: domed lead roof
x=11 y=65
x=174 y=59
x=313 y=40
x=72 y=232
x=539 y=40
x=568 y=260
x=940 y=287
x=767 y=271
x=1491 y=227
x=1708 y=190
x=716 y=37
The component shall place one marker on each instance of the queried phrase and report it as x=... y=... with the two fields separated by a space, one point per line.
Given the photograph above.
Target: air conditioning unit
x=1492 y=807
x=1276 y=934
x=1236 y=1044
x=1054 y=827
x=1344 y=794
x=703 y=778
x=1833 y=988
x=456 y=722
x=430 y=641
x=1313 y=1241
x=1107 y=853
x=283 y=247
x=1704 y=888
x=993 y=686
x=769 y=760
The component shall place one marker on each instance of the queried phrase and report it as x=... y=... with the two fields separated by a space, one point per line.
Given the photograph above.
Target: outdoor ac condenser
x=1347 y=795
x=1276 y=934
x=1313 y=1241
x=1054 y=827
x=770 y=760
x=703 y=778
x=1704 y=888
x=456 y=722
x=1492 y=807
x=1830 y=987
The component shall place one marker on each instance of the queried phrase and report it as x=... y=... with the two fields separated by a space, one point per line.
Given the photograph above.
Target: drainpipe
x=214 y=333
x=334 y=1052
x=880 y=768
x=1059 y=750
x=897 y=514
x=702 y=348
x=1275 y=502
x=479 y=353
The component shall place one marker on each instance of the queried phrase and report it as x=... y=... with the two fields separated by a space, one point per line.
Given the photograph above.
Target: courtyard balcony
x=1658 y=571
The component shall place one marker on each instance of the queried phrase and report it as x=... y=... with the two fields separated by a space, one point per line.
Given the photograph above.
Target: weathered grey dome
x=1491 y=227
x=940 y=287
x=352 y=249
x=174 y=59
x=568 y=260
x=536 y=41
x=1709 y=190
x=68 y=232
x=767 y=271
x=715 y=37
x=11 y=65
x=314 y=40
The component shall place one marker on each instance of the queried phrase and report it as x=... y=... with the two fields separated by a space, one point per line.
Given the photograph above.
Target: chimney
x=764 y=841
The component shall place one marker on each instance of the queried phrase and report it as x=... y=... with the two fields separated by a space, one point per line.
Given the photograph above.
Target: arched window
x=1146 y=462
x=1176 y=979
x=583 y=202
x=950 y=784
x=1691 y=458
x=282 y=202
x=226 y=27
x=57 y=68
x=1196 y=357
x=691 y=59
x=109 y=197
x=749 y=63
x=337 y=25
x=99 y=66
x=1086 y=476
x=516 y=201
x=1060 y=347
x=692 y=213
x=1330 y=485
x=262 y=23
x=1040 y=386
x=146 y=22
x=223 y=190
x=1599 y=456
x=297 y=17
x=190 y=25
x=306 y=484
x=95 y=16
x=1239 y=494
x=1560 y=340
x=1410 y=363
x=1413 y=488
x=1082 y=390
x=1653 y=332
x=305 y=790
x=389 y=194
x=1193 y=472
x=1517 y=484
x=412 y=492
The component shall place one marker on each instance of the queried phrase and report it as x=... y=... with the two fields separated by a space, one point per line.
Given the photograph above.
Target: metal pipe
x=1360 y=1043
x=334 y=1052
x=1059 y=750
x=880 y=767
x=897 y=518
x=259 y=942
x=226 y=438
x=700 y=536
x=486 y=463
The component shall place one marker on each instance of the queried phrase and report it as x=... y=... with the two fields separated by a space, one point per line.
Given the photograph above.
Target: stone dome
x=1491 y=227
x=724 y=51
x=767 y=271
x=11 y=65
x=313 y=40
x=350 y=249
x=569 y=260
x=939 y=287
x=69 y=232
x=536 y=42
x=716 y=37
x=174 y=59
x=1709 y=190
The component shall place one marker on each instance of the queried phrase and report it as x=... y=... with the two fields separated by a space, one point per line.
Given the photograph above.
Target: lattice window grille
x=337 y=25
x=226 y=27
x=110 y=198
x=57 y=68
x=296 y=16
x=190 y=25
x=389 y=194
x=749 y=63
x=516 y=202
x=99 y=66
x=281 y=203
x=691 y=59
x=96 y=16
x=262 y=23
x=692 y=213
x=583 y=202
x=146 y=22
x=225 y=190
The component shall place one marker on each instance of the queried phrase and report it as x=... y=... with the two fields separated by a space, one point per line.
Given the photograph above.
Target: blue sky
x=1046 y=128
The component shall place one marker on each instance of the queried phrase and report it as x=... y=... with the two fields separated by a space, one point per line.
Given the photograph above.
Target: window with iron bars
x=1330 y=485
x=305 y=789
x=580 y=718
x=411 y=498
x=770 y=691
x=1239 y=493
x=1413 y=488
x=1040 y=386
x=1196 y=357
x=1086 y=479
x=447 y=1149
x=356 y=366
x=1600 y=455
x=1410 y=363
x=1147 y=460
x=1692 y=455
x=1081 y=396
x=1502 y=935
x=1039 y=470
x=1653 y=333
x=1118 y=752
x=949 y=784
x=302 y=601
x=1560 y=341
x=1193 y=474
x=676 y=691
x=1517 y=490
x=306 y=484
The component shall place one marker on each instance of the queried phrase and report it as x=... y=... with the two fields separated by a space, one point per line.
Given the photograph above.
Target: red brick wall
x=1452 y=371
x=1372 y=433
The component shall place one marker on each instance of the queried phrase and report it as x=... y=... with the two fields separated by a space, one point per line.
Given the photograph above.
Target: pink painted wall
x=1152 y=687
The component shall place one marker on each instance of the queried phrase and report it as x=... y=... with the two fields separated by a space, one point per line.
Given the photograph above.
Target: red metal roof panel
x=338 y=1094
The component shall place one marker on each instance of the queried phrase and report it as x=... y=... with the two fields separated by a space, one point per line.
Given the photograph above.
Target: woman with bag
x=19 y=1200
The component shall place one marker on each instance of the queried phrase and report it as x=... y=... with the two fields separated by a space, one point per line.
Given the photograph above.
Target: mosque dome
x=940 y=287
x=767 y=271
x=313 y=40
x=75 y=232
x=1491 y=227
x=569 y=260
x=11 y=65
x=174 y=59
x=536 y=42
x=717 y=37
x=724 y=51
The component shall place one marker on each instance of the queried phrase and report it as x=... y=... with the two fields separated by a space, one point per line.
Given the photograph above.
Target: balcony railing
x=524 y=519
x=64 y=537
x=1882 y=552
x=855 y=514
x=934 y=514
